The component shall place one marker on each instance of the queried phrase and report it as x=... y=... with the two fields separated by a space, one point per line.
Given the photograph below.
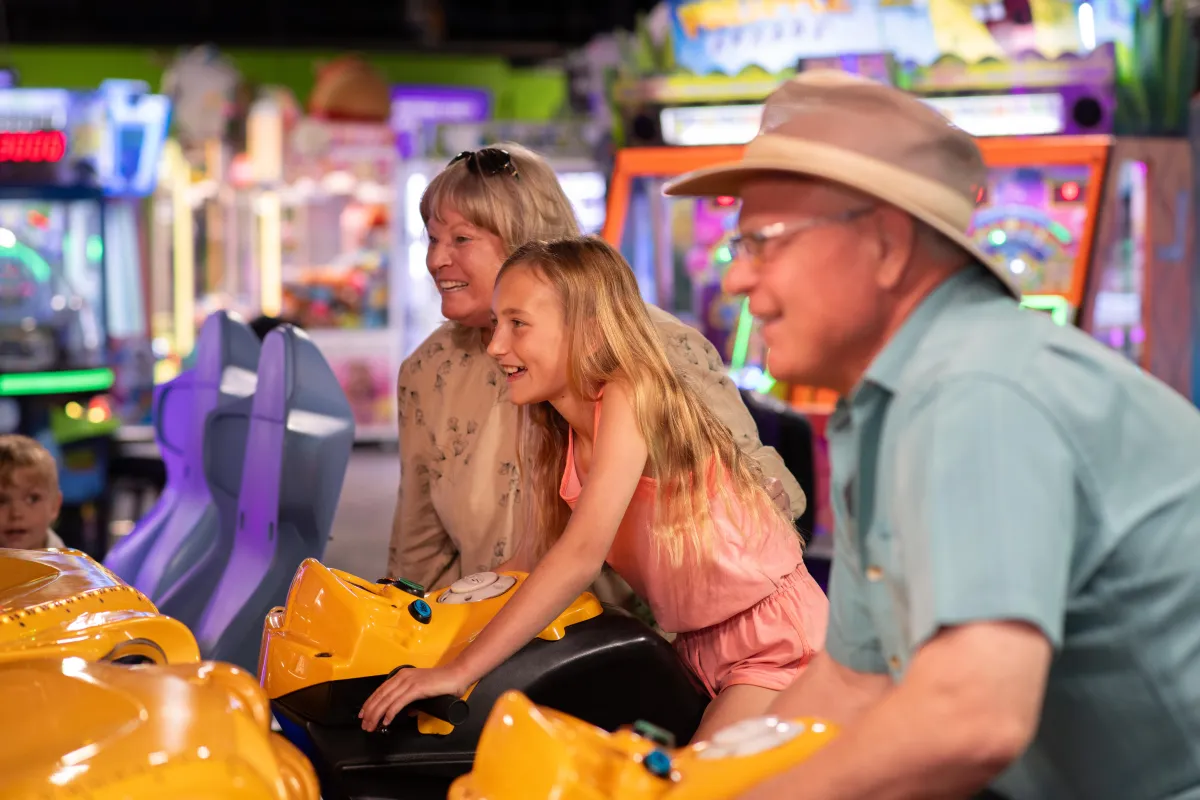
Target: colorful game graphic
x=728 y=36
x=1032 y=220
x=49 y=287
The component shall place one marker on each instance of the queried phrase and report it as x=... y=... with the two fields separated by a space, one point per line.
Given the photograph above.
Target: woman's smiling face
x=463 y=260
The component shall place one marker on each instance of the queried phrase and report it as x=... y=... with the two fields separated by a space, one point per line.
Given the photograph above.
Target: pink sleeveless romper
x=750 y=614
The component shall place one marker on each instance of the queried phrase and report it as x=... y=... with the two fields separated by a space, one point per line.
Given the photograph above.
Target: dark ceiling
x=512 y=27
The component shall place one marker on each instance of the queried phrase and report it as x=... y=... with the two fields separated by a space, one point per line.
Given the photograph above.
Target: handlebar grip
x=445 y=707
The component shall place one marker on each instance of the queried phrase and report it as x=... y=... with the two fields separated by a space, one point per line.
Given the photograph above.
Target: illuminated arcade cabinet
x=75 y=360
x=678 y=247
x=1095 y=228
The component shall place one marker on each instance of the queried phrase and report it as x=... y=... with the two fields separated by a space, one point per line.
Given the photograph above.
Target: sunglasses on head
x=488 y=162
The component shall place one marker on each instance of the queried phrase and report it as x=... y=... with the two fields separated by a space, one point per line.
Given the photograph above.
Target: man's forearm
x=824 y=692
x=909 y=745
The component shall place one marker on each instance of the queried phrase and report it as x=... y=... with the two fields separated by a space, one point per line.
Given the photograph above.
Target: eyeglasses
x=752 y=245
x=488 y=162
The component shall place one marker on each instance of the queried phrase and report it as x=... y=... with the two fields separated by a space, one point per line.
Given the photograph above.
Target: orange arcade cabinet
x=1092 y=225
x=1095 y=228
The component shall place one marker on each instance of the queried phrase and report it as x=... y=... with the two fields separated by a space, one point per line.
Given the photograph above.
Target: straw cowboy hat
x=881 y=141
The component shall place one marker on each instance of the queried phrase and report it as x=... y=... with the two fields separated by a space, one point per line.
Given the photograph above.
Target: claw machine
x=75 y=356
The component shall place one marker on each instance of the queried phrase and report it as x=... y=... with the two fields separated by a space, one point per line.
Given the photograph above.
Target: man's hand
x=778 y=494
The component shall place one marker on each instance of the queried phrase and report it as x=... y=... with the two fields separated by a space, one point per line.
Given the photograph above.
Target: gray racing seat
x=184 y=563
x=173 y=420
x=300 y=434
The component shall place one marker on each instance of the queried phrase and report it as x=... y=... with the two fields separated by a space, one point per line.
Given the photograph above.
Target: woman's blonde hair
x=610 y=338
x=519 y=205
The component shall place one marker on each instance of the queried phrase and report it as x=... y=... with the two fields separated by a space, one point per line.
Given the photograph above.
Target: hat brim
x=728 y=180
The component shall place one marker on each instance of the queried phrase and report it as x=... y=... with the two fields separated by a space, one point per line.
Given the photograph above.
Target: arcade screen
x=678 y=248
x=51 y=286
x=1032 y=219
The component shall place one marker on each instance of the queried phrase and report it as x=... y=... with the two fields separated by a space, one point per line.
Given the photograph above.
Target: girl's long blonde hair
x=610 y=338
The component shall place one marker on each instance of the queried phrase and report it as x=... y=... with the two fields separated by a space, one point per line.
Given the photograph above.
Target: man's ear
x=897 y=239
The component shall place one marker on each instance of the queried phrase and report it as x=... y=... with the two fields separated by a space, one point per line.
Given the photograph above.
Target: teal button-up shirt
x=995 y=466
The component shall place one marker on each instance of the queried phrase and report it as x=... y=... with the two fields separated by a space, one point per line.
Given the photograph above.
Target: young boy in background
x=29 y=496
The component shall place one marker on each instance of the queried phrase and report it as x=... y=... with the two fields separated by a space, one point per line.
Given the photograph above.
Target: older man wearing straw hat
x=1015 y=598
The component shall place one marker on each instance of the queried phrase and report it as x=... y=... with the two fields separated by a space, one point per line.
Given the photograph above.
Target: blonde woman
x=459 y=490
x=625 y=464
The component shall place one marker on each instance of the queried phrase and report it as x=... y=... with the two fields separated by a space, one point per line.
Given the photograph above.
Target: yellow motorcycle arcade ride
x=531 y=753
x=60 y=603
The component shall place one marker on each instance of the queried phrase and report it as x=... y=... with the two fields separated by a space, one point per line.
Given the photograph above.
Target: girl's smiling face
x=463 y=260
x=530 y=339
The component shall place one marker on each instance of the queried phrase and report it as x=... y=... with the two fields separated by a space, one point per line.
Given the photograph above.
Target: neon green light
x=30 y=258
x=741 y=347
x=723 y=255
x=37 y=383
x=1056 y=305
x=997 y=238
x=741 y=339
x=1060 y=232
x=95 y=248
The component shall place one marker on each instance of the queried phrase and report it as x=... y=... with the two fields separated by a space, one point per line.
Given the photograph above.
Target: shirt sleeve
x=694 y=356
x=851 y=639
x=421 y=550
x=984 y=487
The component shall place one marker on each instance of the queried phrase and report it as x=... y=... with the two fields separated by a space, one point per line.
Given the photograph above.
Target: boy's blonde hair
x=519 y=206
x=21 y=452
x=610 y=338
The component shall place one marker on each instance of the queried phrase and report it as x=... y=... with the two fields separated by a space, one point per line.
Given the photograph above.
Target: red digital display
x=33 y=146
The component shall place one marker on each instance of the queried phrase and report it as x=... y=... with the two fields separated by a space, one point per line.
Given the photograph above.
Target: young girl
x=622 y=462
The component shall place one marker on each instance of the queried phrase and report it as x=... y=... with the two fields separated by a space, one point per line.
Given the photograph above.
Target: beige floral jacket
x=458 y=451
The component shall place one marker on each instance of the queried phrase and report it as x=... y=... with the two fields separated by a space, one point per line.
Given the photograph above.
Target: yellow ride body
x=531 y=753
x=61 y=603
x=109 y=732
x=337 y=626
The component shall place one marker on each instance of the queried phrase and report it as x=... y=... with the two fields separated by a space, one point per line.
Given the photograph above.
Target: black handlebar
x=446 y=707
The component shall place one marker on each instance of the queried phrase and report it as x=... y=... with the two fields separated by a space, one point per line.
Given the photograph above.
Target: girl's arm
x=618 y=460
x=570 y=566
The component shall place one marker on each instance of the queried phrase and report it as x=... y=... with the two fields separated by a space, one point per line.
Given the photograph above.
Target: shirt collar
x=889 y=365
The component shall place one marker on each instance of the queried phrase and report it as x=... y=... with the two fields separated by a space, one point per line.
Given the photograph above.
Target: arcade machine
x=336 y=261
x=75 y=360
x=678 y=247
x=416 y=299
x=1095 y=228
x=306 y=233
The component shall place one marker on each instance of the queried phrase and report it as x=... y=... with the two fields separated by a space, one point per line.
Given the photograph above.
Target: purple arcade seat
x=301 y=432
x=172 y=414
x=186 y=557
